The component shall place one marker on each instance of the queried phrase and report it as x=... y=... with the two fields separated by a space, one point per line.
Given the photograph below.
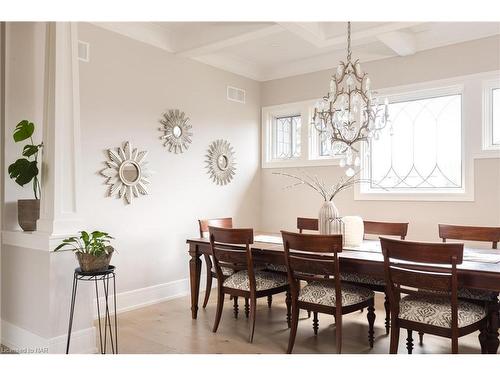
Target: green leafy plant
x=95 y=243
x=25 y=170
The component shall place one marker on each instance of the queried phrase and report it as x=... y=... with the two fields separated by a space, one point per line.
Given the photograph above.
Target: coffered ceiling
x=271 y=50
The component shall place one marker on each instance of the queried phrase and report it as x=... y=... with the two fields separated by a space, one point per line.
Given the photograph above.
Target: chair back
x=231 y=249
x=468 y=233
x=419 y=267
x=386 y=229
x=306 y=223
x=203 y=224
x=311 y=257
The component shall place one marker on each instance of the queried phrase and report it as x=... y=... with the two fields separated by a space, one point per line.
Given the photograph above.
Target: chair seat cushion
x=276 y=267
x=477 y=294
x=263 y=280
x=323 y=293
x=355 y=277
x=226 y=271
x=436 y=310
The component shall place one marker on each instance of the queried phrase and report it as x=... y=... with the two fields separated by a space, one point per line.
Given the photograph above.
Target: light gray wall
x=280 y=208
x=124 y=89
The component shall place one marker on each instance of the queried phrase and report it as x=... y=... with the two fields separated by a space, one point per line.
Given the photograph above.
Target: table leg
x=492 y=340
x=194 y=278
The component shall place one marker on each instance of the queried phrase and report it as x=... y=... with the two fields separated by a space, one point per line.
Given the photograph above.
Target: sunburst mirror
x=220 y=162
x=177 y=132
x=126 y=172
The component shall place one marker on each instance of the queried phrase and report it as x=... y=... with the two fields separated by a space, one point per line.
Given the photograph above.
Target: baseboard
x=138 y=298
x=82 y=342
x=25 y=342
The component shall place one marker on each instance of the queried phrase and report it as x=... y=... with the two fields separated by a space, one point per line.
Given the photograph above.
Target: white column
x=59 y=212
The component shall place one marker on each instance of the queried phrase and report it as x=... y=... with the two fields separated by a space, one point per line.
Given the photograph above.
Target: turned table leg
x=194 y=278
x=492 y=339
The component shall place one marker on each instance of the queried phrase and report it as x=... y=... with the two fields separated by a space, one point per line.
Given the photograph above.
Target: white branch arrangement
x=320 y=186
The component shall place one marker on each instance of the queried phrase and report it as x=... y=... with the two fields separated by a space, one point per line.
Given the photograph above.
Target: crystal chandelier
x=349 y=113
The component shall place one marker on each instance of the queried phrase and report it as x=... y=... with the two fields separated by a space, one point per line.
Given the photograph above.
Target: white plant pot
x=329 y=222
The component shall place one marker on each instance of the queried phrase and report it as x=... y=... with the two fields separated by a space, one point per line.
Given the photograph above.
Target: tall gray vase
x=28 y=212
x=329 y=222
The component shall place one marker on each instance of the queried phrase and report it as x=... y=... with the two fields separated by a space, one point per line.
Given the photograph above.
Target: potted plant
x=24 y=171
x=91 y=249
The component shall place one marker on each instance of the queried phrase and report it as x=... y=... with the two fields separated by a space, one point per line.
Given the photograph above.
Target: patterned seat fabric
x=263 y=280
x=361 y=278
x=226 y=271
x=436 y=311
x=323 y=293
x=276 y=267
x=477 y=294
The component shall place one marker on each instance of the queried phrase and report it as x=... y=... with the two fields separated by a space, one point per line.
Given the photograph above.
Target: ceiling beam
x=218 y=45
x=305 y=31
x=402 y=42
x=146 y=32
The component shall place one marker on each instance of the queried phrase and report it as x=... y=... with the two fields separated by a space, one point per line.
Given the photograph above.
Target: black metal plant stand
x=96 y=277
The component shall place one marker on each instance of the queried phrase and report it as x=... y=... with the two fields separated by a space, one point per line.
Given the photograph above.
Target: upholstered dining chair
x=477 y=234
x=377 y=284
x=426 y=273
x=469 y=233
x=231 y=249
x=311 y=257
x=203 y=224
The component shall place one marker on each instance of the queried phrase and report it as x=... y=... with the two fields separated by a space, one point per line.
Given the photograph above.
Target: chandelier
x=349 y=113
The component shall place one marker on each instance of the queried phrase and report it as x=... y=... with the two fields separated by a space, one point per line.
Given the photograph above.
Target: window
x=287 y=137
x=420 y=151
x=491 y=115
x=496 y=116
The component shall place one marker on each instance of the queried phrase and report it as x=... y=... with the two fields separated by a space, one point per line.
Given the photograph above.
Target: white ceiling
x=271 y=50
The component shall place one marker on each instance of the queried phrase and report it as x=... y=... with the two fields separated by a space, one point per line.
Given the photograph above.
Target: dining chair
x=231 y=249
x=203 y=224
x=311 y=257
x=470 y=233
x=377 y=284
x=426 y=273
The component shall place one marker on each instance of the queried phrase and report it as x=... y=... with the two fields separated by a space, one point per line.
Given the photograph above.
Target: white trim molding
x=23 y=341
x=488 y=87
x=151 y=295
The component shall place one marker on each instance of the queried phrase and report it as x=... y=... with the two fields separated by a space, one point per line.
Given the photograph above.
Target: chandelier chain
x=348 y=42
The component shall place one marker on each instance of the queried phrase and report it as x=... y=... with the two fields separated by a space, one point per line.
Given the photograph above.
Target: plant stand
x=96 y=277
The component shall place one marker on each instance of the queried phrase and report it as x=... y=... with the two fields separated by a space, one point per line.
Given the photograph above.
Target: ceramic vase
x=329 y=220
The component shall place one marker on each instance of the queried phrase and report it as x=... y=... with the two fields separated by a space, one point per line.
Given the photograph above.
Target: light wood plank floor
x=168 y=328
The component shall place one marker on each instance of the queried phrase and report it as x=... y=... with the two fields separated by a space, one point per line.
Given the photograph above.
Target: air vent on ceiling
x=83 y=51
x=235 y=94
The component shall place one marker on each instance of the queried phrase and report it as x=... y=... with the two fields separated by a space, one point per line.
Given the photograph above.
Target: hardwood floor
x=168 y=328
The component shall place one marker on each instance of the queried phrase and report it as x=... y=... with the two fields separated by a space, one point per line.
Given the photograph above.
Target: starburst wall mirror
x=177 y=131
x=127 y=172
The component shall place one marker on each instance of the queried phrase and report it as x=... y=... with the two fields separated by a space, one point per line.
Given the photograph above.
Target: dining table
x=480 y=269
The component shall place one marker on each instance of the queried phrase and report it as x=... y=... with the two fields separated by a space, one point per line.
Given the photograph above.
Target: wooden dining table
x=480 y=269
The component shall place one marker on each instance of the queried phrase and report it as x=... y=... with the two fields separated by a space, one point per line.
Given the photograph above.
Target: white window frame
x=415 y=92
x=487 y=136
x=309 y=138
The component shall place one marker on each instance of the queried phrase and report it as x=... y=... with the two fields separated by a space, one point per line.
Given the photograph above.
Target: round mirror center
x=222 y=162
x=129 y=172
x=177 y=131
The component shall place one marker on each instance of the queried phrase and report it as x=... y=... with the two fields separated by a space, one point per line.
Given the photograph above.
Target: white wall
x=124 y=90
x=280 y=208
